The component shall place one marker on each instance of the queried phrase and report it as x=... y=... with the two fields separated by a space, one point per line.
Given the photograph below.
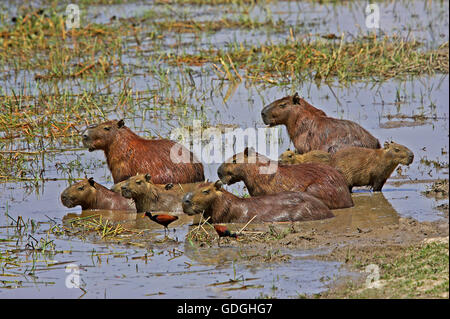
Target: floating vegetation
x=97 y=225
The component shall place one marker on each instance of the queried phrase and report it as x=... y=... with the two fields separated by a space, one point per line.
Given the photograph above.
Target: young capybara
x=319 y=180
x=128 y=154
x=291 y=157
x=221 y=206
x=150 y=197
x=368 y=167
x=311 y=129
x=91 y=195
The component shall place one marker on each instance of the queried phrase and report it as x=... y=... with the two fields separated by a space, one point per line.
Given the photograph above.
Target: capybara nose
x=187 y=199
x=264 y=113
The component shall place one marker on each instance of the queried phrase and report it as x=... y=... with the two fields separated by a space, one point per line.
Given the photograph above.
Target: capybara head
x=287 y=157
x=138 y=185
x=230 y=171
x=201 y=199
x=80 y=193
x=398 y=153
x=279 y=111
x=99 y=136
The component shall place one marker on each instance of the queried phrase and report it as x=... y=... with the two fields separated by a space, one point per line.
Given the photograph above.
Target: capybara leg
x=378 y=185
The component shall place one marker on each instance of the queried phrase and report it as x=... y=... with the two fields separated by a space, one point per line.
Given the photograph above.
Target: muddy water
x=413 y=112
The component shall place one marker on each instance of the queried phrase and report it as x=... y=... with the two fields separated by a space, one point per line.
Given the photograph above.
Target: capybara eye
x=290 y=155
x=283 y=105
x=107 y=128
x=234 y=161
x=80 y=188
x=396 y=149
x=139 y=182
x=206 y=192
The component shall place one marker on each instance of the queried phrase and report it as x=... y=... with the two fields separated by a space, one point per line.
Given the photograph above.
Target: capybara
x=368 y=167
x=311 y=129
x=150 y=197
x=319 y=180
x=221 y=206
x=291 y=157
x=128 y=154
x=91 y=195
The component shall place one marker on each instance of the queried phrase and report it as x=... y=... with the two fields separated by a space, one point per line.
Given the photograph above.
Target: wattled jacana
x=223 y=231
x=161 y=219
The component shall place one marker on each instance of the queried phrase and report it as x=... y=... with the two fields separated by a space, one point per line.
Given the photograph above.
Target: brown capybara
x=368 y=167
x=150 y=197
x=311 y=129
x=91 y=195
x=128 y=154
x=319 y=180
x=291 y=157
x=221 y=206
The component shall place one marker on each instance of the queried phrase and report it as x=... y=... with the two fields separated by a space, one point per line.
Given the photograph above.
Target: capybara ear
x=121 y=123
x=148 y=177
x=248 y=151
x=168 y=186
x=91 y=182
x=218 y=184
x=296 y=98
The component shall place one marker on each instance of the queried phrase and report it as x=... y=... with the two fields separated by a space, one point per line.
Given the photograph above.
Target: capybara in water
x=291 y=157
x=368 y=167
x=150 y=197
x=128 y=154
x=221 y=206
x=91 y=195
x=319 y=180
x=311 y=129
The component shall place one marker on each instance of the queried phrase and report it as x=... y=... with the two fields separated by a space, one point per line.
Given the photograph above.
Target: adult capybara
x=128 y=154
x=368 y=167
x=221 y=206
x=150 y=197
x=91 y=195
x=311 y=129
x=319 y=180
x=291 y=157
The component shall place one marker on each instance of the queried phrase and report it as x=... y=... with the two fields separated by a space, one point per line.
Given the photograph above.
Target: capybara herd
x=331 y=157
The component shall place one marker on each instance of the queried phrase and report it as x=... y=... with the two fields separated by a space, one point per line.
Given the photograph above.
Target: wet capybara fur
x=150 y=197
x=91 y=195
x=221 y=206
x=319 y=180
x=291 y=157
x=311 y=129
x=128 y=154
x=368 y=167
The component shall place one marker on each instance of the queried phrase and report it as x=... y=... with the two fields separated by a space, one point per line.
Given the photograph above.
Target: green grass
x=418 y=272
